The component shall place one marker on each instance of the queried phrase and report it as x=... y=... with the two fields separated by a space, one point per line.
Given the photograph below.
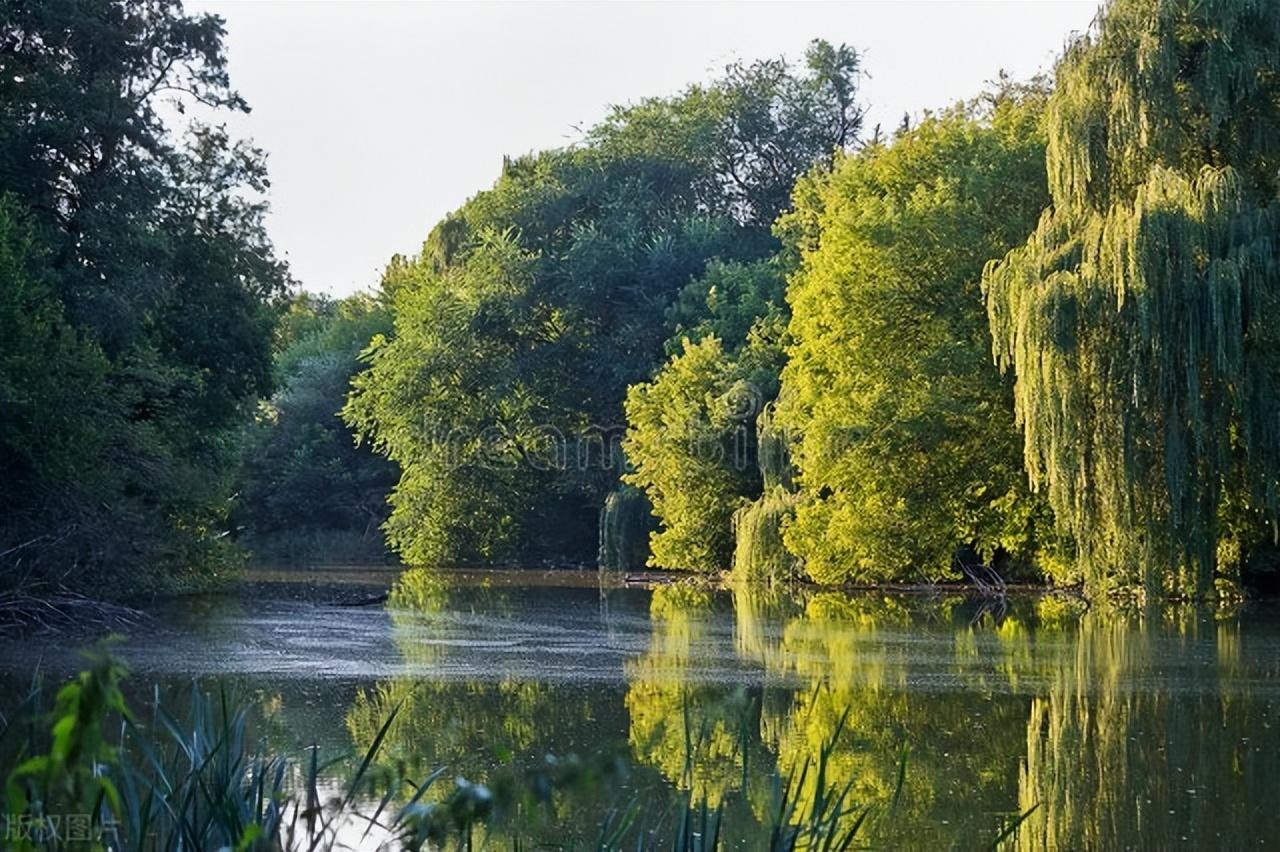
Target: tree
x=472 y=396
x=691 y=436
x=156 y=284
x=533 y=307
x=1140 y=317
x=47 y=414
x=306 y=489
x=751 y=133
x=903 y=434
x=698 y=467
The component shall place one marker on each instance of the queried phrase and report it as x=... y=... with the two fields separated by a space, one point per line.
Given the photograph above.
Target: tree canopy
x=691 y=430
x=1036 y=334
x=903 y=432
x=532 y=308
x=138 y=268
x=1140 y=317
x=304 y=489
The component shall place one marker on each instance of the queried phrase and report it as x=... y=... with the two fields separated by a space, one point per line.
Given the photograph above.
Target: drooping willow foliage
x=773 y=450
x=1140 y=319
x=759 y=553
x=626 y=521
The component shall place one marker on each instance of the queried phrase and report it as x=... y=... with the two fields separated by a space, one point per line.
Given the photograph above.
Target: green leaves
x=141 y=321
x=72 y=777
x=304 y=484
x=904 y=433
x=535 y=306
x=690 y=439
x=1137 y=318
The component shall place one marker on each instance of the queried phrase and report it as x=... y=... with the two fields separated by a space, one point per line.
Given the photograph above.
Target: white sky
x=380 y=117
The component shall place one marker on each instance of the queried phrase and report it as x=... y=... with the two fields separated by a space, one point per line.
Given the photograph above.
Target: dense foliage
x=691 y=430
x=723 y=329
x=306 y=491
x=1134 y=329
x=137 y=294
x=903 y=431
x=1140 y=319
x=532 y=308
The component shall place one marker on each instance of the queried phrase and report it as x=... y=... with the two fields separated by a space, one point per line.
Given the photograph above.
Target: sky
x=381 y=117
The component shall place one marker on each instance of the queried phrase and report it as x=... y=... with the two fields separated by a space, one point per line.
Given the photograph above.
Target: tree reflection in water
x=1146 y=731
x=1121 y=729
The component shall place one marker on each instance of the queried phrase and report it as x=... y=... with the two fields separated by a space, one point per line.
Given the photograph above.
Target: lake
x=1123 y=730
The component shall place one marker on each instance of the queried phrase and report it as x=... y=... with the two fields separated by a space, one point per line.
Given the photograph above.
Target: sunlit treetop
x=1176 y=83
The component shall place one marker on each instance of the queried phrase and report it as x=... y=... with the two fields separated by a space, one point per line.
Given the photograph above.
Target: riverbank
x=24 y=614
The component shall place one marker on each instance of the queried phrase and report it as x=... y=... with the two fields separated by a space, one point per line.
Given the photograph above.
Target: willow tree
x=1140 y=318
x=759 y=551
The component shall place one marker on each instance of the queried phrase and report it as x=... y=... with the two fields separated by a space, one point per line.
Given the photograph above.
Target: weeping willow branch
x=1140 y=317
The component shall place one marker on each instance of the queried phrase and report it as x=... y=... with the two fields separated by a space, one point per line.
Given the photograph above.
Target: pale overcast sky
x=380 y=117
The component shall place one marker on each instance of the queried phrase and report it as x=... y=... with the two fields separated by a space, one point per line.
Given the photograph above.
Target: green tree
x=751 y=133
x=48 y=412
x=156 y=287
x=306 y=490
x=691 y=431
x=690 y=438
x=532 y=308
x=1140 y=319
x=471 y=396
x=903 y=433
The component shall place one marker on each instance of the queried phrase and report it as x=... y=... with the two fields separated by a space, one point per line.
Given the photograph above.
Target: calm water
x=1151 y=730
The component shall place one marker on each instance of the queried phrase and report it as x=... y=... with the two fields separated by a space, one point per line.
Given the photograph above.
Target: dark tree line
x=139 y=295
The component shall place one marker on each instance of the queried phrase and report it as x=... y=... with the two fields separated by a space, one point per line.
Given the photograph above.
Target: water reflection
x=1121 y=730
x=1152 y=729
x=485 y=726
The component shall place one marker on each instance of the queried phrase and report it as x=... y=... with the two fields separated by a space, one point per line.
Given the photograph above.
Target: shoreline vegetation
x=28 y=615
x=1025 y=339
